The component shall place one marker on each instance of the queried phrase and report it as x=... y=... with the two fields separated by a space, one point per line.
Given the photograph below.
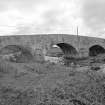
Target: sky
x=27 y=17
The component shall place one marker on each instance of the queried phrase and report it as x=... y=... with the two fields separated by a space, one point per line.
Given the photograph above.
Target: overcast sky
x=52 y=16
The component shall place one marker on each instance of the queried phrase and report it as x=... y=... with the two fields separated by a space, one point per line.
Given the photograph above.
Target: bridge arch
x=20 y=52
x=67 y=49
x=12 y=48
x=96 y=49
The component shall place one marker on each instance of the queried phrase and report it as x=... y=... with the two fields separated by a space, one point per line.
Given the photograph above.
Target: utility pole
x=78 y=40
x=62 y=39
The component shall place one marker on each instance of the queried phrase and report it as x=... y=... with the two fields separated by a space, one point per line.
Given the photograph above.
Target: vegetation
x=70 y=87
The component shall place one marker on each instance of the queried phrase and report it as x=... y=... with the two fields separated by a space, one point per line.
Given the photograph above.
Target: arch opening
x=96 y=50
x=67 y=49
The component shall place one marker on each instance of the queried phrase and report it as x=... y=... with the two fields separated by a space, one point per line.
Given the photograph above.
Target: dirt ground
x=50 y=84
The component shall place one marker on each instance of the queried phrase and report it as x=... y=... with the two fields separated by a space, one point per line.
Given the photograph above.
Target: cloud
x=94 y=16
x=51 y=16
x=56 y=16
x=7 y=4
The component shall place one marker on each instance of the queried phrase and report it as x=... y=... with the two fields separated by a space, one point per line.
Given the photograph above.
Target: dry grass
x=6 y=67
x=65 y=94
x=76 y=88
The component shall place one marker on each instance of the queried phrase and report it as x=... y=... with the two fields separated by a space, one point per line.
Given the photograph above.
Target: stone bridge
x=83 y=45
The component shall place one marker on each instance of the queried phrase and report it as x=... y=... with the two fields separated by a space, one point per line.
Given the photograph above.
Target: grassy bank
x=49 y=84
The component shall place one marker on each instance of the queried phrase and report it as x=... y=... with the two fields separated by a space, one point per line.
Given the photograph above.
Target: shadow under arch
x=67 y=49
x=96 y=50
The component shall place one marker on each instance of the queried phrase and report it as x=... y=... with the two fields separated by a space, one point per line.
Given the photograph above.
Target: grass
x=63 y=95
x=6 y=67
x=59 y=86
